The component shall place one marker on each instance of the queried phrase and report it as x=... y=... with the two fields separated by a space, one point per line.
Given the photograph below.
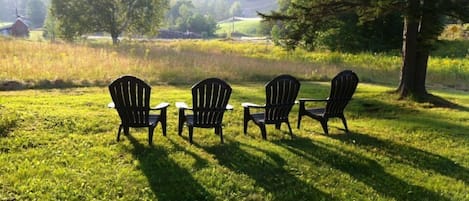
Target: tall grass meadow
x=26 y=64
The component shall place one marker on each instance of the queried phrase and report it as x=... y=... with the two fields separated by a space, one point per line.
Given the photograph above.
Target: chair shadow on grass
x=164 y=174
x=268 y=173
x=407 y=155
x=360 y=168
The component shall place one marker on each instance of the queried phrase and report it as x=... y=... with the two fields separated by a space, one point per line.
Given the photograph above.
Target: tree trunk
x=115 y=38
x=415 y=58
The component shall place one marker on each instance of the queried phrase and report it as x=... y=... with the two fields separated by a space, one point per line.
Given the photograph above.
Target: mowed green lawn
x=59 y=144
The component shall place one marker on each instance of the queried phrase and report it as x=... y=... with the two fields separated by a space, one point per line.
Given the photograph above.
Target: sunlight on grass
x=63 y=146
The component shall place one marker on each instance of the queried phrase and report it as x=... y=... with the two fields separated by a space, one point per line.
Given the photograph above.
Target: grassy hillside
x=249 y=28
x=251 y=7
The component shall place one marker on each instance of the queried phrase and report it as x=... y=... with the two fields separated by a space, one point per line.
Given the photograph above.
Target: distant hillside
x=251 y=6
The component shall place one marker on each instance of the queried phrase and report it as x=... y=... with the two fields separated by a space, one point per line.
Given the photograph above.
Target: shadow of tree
x=268 y=173
x=442 y=102
x=415 y=118
x=45 y=84
x=408 y=155
x=164 y=174
x=361 y=168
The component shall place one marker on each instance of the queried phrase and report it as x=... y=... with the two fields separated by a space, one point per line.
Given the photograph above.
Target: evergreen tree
x=423 y=23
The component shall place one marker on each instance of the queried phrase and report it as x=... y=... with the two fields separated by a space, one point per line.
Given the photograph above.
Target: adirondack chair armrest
x=229 y=107
x=160 y=106
x=182 y=105
x=251 y=105
x=111 y=105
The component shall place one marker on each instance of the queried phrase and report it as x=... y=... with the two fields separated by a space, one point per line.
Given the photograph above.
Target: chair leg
x=191 y=130
x=299 y=121
x=163 y=121
x=151 y=129
x=324 y=126
x=245 y=120
x=163 y=126
x=220 y=132
x=263 y=131
x=278 y=125
x=181 y=121
x=345 y=123
x=301 y=111
x=245 y=127
x=119 y=133
x=289 y=128
x=126 y=130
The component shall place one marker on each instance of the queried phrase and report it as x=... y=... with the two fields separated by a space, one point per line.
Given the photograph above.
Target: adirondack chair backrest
x=281 y=93
x=342 y=88
x=209 y=100
x=131 y=97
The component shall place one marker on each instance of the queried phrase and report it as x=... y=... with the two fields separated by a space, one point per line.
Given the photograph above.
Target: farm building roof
x=6 y=25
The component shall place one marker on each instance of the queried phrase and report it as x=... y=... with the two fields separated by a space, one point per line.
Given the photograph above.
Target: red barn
x=17 y=29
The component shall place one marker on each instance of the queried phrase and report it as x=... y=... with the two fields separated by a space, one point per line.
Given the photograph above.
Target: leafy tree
x=423 y=23
x=348 y=34
x=202 y=24
x=345 y=32
x=50 y=27
x=187 y=19
x=235 y=9
x=77 y=17
x=219 y=9
x=185 y=12
x=36 y=12
x=175 y=11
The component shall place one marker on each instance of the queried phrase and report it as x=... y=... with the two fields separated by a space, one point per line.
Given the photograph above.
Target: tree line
x=70 y=19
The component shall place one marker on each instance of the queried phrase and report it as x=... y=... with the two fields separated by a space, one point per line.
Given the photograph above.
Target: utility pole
x=233 y=22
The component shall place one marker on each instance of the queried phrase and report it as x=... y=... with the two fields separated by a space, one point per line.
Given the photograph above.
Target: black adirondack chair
x=209 y=103
x=281 y=93
x=343 y=86
x=131 y=99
